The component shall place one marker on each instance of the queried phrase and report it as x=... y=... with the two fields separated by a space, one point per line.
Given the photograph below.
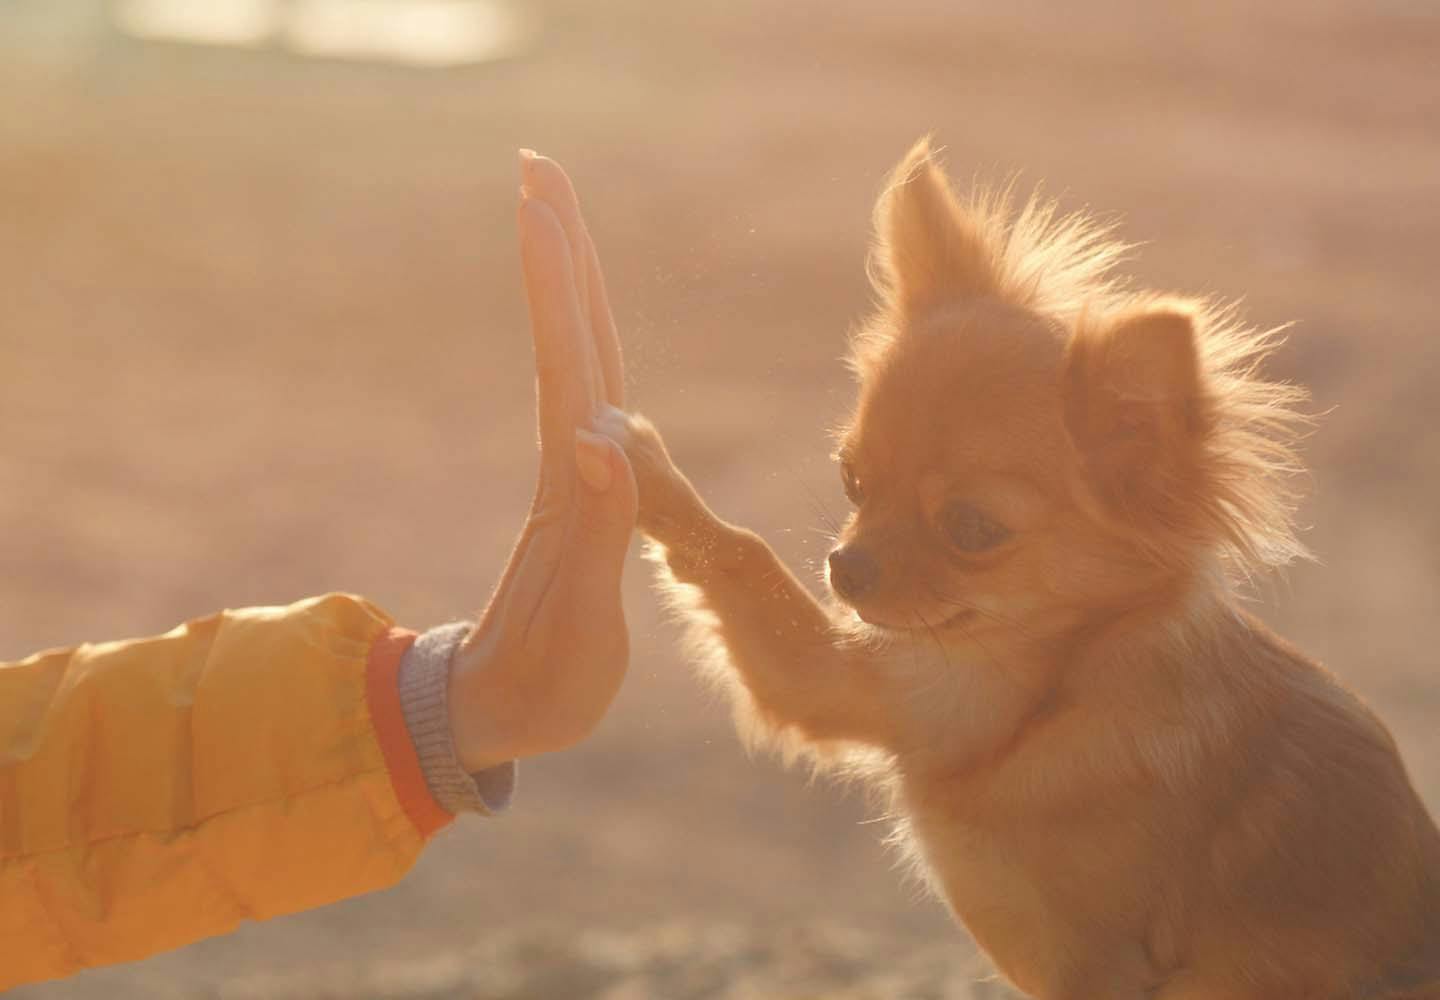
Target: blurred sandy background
x=262 y=336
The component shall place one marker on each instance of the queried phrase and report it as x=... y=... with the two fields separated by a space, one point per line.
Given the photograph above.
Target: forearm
x=253 y=763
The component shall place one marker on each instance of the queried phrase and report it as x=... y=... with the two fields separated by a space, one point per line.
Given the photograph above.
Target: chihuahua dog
x=1123 y=785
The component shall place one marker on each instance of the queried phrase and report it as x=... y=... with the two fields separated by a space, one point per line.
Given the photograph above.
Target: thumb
x=584 y=590
x=606 y=504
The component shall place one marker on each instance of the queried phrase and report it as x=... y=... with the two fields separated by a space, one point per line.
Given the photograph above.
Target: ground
x=262 y=336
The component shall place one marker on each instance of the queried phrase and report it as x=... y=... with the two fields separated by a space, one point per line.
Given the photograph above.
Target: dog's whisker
x=819 y=508
x=961 y=603
x=944 y=654
x=970 y=636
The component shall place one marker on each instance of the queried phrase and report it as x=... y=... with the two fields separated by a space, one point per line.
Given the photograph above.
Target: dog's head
x=1032 y=443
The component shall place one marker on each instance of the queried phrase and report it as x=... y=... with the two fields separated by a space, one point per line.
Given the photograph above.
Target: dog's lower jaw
x=918 y=625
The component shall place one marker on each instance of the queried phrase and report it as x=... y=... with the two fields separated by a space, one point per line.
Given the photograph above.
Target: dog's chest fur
x=1022 y=893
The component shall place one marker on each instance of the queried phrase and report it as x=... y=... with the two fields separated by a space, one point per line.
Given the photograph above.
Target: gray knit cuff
x=424 y=700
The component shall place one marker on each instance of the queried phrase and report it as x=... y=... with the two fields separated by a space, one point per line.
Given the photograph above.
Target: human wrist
x=459 y=783
x=485 y=722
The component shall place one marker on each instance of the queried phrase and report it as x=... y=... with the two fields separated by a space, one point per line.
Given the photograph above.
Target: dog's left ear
x=928 y=248
x=1136 y=409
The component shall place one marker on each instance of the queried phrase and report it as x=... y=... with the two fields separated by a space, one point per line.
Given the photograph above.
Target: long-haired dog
x=1121 y=782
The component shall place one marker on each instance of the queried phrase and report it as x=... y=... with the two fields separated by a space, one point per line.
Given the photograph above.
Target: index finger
x=548 y=180
x=565 y=392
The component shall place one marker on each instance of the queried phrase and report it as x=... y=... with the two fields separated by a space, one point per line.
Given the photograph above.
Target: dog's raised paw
x=666 y=497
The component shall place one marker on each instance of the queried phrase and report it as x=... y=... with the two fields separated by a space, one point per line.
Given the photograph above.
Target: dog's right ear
x=927 y=249
x=1137 y=412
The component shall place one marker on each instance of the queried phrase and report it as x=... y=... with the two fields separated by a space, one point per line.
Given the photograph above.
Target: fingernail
x=526 y=157
x=592 y=460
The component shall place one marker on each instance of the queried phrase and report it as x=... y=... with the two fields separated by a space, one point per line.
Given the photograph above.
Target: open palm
x=550 y=650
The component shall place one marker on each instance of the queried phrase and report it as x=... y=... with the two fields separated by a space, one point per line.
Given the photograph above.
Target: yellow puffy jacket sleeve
x=157 y=791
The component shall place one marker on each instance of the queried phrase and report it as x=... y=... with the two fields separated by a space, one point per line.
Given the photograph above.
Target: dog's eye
x=853 y=489
x=968 y=529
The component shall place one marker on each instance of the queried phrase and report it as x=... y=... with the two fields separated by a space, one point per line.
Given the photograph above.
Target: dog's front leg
x=747 y=608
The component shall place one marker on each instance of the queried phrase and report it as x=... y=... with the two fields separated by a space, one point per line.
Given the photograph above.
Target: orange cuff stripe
x=382 y=689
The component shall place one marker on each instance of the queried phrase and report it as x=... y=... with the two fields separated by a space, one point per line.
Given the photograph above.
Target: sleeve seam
x=190 y=828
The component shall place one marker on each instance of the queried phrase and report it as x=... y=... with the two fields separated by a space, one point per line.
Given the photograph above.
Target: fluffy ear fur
x=1135 y=408
x=928 y=249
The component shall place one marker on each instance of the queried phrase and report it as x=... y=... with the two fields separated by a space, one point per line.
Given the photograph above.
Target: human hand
x=549 y=652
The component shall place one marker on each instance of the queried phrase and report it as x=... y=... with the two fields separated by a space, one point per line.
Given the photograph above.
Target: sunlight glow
x=426 y=32
x=214 y=22
x=414 y=32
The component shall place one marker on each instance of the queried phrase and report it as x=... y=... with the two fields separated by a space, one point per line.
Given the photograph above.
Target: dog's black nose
x=852 y=571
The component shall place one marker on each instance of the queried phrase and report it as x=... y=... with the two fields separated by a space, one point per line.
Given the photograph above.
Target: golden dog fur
x=1121 y=782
